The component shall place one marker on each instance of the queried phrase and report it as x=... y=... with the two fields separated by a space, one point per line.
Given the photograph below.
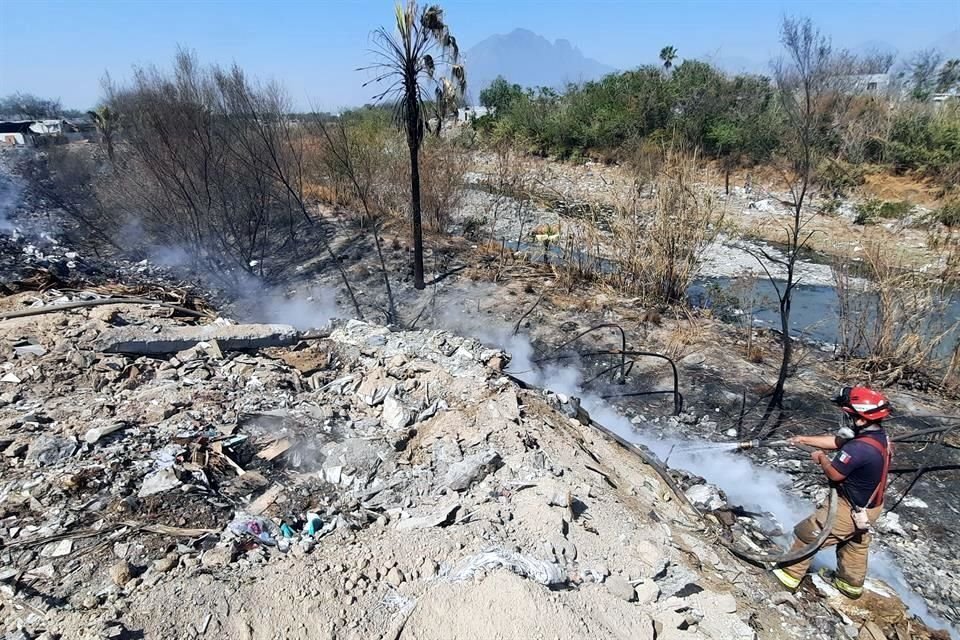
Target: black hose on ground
x=766 y=560
x=790 y=557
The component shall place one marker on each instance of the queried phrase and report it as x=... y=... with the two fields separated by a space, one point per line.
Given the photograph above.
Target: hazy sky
x=62 y=48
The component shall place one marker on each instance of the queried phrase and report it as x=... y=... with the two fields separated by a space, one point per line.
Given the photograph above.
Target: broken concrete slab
x=435 y=518
x=505 y=405
x=143 y=341
x=705 y=496
x=619 y=587
x=647 y=591
x=266 y=499
x=96 y=433
x=395 y=415
x=375 y=388
x=57 y=549
x=473 y=468
x=34 y=350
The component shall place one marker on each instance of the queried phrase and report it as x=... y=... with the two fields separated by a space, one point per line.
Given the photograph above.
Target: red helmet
x=863 y=402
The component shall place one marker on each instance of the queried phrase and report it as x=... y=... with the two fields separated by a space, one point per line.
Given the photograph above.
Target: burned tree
x=807 y=82
x=211 y=165
x=407 y=64
x=270 y=142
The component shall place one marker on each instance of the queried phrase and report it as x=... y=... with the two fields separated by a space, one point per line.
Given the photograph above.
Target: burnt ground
x=714 y=374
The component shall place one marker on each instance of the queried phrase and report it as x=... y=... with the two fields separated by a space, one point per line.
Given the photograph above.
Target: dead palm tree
x=668 y=55
x=407 y=62
x=105 y=120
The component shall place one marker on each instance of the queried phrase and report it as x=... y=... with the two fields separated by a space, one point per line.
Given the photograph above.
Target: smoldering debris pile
x=351 y=486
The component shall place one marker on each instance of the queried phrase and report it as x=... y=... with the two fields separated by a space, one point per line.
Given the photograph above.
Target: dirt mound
x=366 y=484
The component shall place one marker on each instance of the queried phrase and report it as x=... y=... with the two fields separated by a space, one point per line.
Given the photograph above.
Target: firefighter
x=859 y=470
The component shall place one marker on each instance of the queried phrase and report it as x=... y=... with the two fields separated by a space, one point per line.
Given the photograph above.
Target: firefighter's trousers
x=852 y=546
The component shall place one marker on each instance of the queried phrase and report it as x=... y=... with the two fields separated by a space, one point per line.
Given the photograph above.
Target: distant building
x=470 y=113
x=17 y=133
x=951 y=96
x=874 y=83
x=48 y=127
x=39 y=132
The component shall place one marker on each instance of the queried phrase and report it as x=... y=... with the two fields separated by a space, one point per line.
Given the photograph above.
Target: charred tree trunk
x=414 y=138
x=776 y=401
x=415 y=214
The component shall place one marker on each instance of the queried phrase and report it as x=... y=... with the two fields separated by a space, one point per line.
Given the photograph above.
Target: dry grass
x=895 y=324
x=688 y=330
x=325 y=193
x=755 y=354
x=383 y=155
x=442 y=170
x=833 y=235
x=896 y=188
x=651 y=246
x=947 y=243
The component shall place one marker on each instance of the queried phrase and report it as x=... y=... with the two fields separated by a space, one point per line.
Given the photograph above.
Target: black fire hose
x=790 y=557
x=764 y=559
x=767 y=560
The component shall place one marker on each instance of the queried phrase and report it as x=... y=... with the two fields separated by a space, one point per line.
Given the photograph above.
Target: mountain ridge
x=529 y=59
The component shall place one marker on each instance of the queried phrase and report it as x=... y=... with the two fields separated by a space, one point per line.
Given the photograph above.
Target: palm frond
x=458 y=73
x=450 y=44
x=407 y=58
x=432 y=20
x=401 y=19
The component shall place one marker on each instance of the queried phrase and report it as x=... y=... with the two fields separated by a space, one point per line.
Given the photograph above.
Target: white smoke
x=309 y=307
x=166 y=256
x=884 y=567
x=10 y=193
x=745 y=484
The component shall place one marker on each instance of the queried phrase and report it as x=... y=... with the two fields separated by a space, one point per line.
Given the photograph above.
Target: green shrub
x=894 y=210
x=866 y=212
x=697 y=103
x=737 y=119
x=949 y=214
x=926 y=141
x=872 y=210
x=830 y=206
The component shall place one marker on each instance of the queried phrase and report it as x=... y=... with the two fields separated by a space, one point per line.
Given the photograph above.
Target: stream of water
x=814 y=311
x=758 y=489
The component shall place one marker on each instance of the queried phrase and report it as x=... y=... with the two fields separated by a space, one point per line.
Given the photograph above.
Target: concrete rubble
x=364 y=484
x=164 y=340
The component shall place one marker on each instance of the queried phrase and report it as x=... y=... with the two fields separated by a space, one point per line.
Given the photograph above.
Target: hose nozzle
x=748 y=444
